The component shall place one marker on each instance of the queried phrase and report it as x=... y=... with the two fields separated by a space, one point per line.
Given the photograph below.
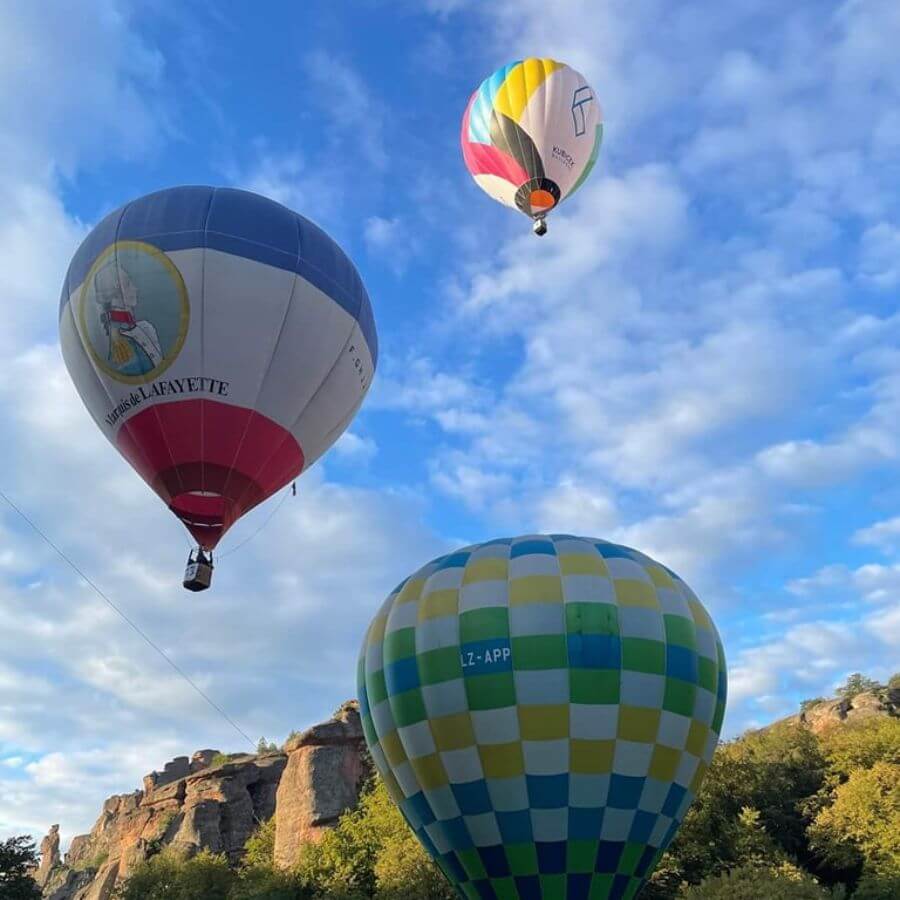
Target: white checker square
x=660 y=830
x=622 y=568
x=483 y=595
x=438 y=837
x=403 y=615
x=616 y=824
x=632 y=758
x=673 y=603
x=496 y=550
x=533 y=564
x=536 y=619
x=673 y=730
x=546 y=757
x=462 y=765
x=407 y=779
x=550 y=824
x=588 y=791
x=442 y=802
x=588 y=589
x=653 y=796
x=543 y=687
x=508 y=794
x=374 y=657
x=589 y=722
x=417 y=740
x=686 y=801
x=574 y=546
x=704 y=705
x=712 y=741
x=706 y=644
x=496 y=726
x=383 y=718
x=434 y=634
x=641 y=689
x=687 y=768
x=641 y=622
x=443 y=580
x=484 y=830
x=446 y=698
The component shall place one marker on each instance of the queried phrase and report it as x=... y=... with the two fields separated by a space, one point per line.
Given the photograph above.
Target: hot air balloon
x=222 y=343
x=543 y=711
x=531 y=134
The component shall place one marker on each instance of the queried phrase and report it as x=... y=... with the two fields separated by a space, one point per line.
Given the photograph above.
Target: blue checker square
x=608 y=855
x=614 y=551
x=673 y=801
x=529 y=887
x=453 y=867
x=494 y=861
x=551 y=857
x=594 y=651
x=402 y=676
x=681 y=662
x=548 y=791
x=585 y=823
x=515 y=827
x=427 y=843
x=526 y=548
x=453 y=561
x=456 y=833
x=625 y=791
x=485 y=889
x=578 y=887
x=642 y=827
x=645 y=862
x=418 y=810
x=619 y=887
x=473 y=797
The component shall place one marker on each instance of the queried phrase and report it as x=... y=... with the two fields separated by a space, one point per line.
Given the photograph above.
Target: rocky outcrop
x=327 y=765
x=826 y=714
x=193 y=805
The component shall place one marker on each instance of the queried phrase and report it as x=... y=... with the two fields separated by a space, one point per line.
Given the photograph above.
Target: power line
x=132 y=624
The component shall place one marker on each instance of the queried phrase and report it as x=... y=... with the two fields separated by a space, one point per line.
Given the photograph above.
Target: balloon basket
x=199 y=569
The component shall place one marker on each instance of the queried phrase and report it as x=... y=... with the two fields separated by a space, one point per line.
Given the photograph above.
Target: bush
x=17 y=858
x=171 y=876
x=754 y=882
x=858 y=684
x=259 y=850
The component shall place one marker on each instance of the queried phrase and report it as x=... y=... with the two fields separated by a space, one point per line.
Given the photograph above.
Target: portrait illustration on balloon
x=222 y=343
x=543 y=711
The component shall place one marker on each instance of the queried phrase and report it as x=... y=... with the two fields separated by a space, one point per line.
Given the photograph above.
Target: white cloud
x=880 y=255
x=884 y=535
x=355 y=448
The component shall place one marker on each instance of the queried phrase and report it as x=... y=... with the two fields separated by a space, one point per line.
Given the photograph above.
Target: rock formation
x=193 y=805
x=825 y=714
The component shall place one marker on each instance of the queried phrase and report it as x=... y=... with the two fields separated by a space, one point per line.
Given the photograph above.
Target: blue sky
x=700 y=360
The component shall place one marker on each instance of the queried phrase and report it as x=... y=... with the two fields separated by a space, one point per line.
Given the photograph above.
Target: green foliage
x=171 y=876
x=219 y=760
x=267 y=883
x=754 y=882
x=264 y=746
x=858 y=684
x=813 y=701
x=859 y=746
x=259 y=851
x=17 y=858
x=94 y=862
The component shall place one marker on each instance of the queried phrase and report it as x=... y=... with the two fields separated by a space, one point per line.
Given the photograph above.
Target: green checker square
x=679 y=697
x=581 y=856
x=522 y=859
x=634 y=885
x=644 y=655
x=681 y=631
x=470 y=891
x=553 y=887
x=708 y=673
x=598 y=686
x=484 y=624
x=718 y=716
x=592 y=618
x=505 y=888
x=638 y=723
x=490 y=691
x=408 y=708
x=601 y=887
x=376 y=688
x=720 y=654
x=436 y=666
x=630 y=857
x=471 y=862
x=540 y=651
x=399 y=644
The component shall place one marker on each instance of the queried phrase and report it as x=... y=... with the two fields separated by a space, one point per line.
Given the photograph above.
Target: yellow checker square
x=591 y=757
x=664 y=763
x=701 y=617
x=660 y=577
x=393 y=787
x=430 y=771
x=502 y=760
x=393 y=748
x=696 y=740
x=544 y=723
x=489 y=569
x=582 y=564
x=639 y=724
x=535 y=589
x=411 y=591
x=376 y=630
x=439 y=604
x=453 y=732
x=636 y=593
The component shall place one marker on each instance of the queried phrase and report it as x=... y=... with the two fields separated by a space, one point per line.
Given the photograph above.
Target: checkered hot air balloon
x=531 y=134
x=221 y=342
x=543 y=711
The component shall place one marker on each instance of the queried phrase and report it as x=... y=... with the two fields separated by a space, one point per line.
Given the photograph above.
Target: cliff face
x=193 y=805
x=821 y=716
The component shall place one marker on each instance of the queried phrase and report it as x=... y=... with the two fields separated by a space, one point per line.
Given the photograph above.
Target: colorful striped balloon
x=531 y=134
x=543 y=710
x=220 y=341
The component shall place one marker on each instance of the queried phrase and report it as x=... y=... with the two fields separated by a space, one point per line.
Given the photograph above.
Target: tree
x=259 y=850
x=264 y=746
x=753 y=882
x=18 y=858
x=858 y=683
x=171 y=876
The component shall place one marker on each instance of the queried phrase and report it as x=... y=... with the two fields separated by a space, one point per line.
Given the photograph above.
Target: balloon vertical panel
x=543 y=710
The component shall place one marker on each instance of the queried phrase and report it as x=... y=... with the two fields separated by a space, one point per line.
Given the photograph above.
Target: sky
x=701 y=360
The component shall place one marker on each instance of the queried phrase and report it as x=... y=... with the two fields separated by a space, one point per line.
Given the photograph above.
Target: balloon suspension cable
x=268 y=519
x=133 y=625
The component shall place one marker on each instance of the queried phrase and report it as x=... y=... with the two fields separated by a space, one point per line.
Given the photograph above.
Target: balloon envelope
x=531 y=134
x=220 y=341
x=543 y=710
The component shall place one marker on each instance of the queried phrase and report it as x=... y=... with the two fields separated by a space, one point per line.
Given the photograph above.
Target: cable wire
x=132 y=624
x=268 y=519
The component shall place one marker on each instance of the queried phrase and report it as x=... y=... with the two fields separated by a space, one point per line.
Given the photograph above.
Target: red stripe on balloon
x=211 y=467
x=485 y=159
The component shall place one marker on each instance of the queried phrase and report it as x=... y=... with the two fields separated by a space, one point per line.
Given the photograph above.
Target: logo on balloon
x=580 y=99
x=133 y=312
